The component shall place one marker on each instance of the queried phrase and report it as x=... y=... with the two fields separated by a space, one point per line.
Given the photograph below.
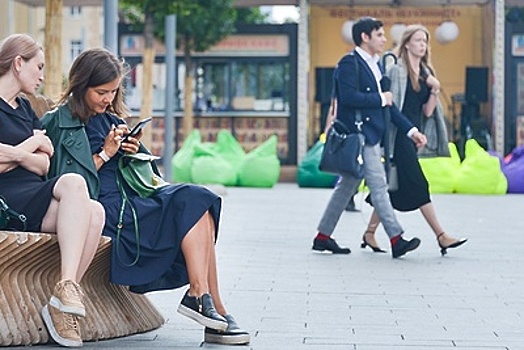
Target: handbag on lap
x=136 y=170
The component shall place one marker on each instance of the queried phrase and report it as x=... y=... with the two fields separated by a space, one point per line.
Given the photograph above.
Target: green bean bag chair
x=308 y=174
x=209 y=167
x=261 y=166
x=480 y=173
x=182 y=160
x=229 y=148
x=441 y=172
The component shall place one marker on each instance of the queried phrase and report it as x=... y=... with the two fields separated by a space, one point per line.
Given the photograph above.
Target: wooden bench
x=29 y=269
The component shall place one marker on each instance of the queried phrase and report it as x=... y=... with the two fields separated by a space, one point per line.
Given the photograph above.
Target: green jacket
x=72 y=150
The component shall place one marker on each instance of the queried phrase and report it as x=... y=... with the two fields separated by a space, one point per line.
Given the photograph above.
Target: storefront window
x=520 y=88
x=255 y=86
x=220 y=86
x=213 y=86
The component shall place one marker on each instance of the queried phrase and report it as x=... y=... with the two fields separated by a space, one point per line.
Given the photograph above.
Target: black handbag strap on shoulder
x=358 y=113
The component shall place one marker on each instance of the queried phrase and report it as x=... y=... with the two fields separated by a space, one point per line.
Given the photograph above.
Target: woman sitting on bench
x=174 y=244
x=59 y=205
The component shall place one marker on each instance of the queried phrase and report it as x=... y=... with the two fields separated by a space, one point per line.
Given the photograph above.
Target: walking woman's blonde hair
x=402 y=53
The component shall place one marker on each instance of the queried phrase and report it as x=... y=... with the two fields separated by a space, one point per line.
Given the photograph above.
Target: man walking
x=358 y=88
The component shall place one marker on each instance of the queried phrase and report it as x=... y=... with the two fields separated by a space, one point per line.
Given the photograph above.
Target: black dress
x=24 y=191
x=164 y=220
x=413 y=188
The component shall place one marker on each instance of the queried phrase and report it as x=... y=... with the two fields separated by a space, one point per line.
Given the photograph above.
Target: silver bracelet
x=105 y=157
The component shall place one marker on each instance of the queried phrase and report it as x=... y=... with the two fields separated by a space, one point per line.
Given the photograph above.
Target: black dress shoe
x=402 y=246
x=329 y=244
x=365 y=244
x=202 y=310
x=233 y=335
x=444 y=249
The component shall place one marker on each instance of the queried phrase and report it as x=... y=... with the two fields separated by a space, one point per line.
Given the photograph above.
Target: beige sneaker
x=62 y=327
x=67 y=297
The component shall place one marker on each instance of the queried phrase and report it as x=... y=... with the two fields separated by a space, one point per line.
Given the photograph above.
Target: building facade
x=82 y=26
x=476 y=50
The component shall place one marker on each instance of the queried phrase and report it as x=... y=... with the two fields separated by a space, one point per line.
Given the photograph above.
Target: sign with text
x=428 y=16
x=257 y=45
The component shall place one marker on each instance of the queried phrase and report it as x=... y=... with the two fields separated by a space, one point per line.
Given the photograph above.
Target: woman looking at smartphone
x=177 y=226
x=137 y=129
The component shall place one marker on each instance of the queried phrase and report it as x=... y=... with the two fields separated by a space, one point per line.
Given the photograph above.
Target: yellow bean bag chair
x=480 y=172
x=441 y=171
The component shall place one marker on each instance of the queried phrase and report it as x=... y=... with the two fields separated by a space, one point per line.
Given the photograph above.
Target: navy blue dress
x=24 y=191
x=413 y=188
x=164 y=220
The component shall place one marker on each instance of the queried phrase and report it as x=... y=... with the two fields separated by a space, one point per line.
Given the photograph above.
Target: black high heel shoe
x=366 y=244
x=443 y=249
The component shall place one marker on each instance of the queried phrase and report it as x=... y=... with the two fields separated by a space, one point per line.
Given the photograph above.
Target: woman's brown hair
x=92 y=68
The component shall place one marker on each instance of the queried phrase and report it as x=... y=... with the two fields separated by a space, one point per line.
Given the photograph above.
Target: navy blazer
x=366 y=98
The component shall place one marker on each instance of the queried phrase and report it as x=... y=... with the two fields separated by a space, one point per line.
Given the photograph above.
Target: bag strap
x=358 y=113
x=387 y=119
x=10 y=213
x=120 y=224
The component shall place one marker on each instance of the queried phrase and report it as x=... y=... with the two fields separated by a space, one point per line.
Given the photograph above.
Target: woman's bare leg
x=213 y=272
x=68 y=216
x=96 y=225
x=197 y=246
x=428 y=211
x=374 y=222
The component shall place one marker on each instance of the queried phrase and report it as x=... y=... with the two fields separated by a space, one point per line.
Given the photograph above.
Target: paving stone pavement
x=289 y=297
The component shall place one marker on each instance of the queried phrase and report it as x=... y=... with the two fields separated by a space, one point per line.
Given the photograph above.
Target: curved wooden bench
x=29 y=269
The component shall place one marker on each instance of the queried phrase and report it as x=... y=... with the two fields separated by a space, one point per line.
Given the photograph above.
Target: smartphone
x=137 y=128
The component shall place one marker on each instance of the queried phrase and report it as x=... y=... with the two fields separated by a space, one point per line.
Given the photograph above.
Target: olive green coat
x=72 y=150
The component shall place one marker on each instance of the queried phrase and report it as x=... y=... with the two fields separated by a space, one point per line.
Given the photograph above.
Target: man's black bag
x=7 y=215
x=342 y=152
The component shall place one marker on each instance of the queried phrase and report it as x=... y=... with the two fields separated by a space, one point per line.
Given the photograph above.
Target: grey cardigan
x=434 y=127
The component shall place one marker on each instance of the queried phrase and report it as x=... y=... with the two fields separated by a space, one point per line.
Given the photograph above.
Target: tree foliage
x=200 y=25
x=251 y=15
x=206 y=22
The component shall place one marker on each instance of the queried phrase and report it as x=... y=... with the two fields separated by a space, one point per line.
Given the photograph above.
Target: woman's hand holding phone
x=136 y=132
x=112 y=141
x=130 y=142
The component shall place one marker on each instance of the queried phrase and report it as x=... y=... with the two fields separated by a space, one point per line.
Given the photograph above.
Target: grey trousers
x=375 y=176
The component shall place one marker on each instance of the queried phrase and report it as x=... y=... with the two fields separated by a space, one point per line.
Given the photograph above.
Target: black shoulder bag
x=342 y=153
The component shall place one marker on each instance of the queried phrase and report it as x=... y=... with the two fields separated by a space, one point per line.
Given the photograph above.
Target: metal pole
x=10 y=17
x=498 y=103
x=111 y=25
x=169 y=119
x=302 y=80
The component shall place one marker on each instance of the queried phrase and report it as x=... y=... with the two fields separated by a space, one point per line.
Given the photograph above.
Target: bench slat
x=29 y=269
